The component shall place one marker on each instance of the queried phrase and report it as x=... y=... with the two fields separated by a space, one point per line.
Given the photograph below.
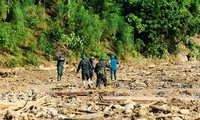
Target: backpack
x=100 y=69
x=85 y=65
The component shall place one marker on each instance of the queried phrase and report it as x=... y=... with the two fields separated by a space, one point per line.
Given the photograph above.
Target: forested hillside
x=31 y=30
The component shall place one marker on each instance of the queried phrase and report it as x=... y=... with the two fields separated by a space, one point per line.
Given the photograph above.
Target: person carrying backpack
x=84 y=65
x=113 y=67
x=91 y=60
x=100 y=70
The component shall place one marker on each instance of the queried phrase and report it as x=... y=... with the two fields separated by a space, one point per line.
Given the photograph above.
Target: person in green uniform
x=60 y=63
x=100 y=70
x=85 y=66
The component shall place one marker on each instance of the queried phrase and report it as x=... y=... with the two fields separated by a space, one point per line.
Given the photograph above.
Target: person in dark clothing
x=91 y=60
x=84 y=65
x=100 y=70
x=113 y=67
x=60 y=63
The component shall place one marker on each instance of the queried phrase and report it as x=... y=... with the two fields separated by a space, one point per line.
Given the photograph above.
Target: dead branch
x=87 y=111
x=55 y=94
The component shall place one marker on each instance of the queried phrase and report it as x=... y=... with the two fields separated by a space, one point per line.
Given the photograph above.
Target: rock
x=118 y=107
x=72 y=115
x=12 y=97
x=41 y=66
x=61 y=117
x=165 y=107
x=182 y=58
x=129 y=106
x=60 y=105
x=140 y=84
x=142 y=119
x=151 y=65
x=143 y=109
x=53 y=112
x=185 y=111
x=175 y=109
x=177 y=118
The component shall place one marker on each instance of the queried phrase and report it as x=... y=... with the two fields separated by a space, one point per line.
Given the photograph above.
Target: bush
x=31 y=58
x=13 y=63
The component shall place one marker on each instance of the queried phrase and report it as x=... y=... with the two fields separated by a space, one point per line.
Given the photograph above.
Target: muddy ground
x=145 y=91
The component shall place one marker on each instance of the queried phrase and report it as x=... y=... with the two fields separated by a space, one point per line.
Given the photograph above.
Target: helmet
x=83 y=56
x=112 y=56
x=103 y=58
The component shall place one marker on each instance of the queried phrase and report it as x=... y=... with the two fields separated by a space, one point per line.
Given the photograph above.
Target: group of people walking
x=87 y=68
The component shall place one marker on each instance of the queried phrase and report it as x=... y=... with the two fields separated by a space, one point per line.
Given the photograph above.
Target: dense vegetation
x=31 y=29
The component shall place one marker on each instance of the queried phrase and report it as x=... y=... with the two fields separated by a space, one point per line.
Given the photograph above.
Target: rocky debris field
x=151 y=91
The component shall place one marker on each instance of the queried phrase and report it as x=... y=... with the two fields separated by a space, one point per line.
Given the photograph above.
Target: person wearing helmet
x=100 y=70
x=84 y=65
x=113 y=67
x=91 y=60
x=60 y=63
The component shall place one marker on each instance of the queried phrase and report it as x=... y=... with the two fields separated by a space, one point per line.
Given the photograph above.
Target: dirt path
x=176 y=87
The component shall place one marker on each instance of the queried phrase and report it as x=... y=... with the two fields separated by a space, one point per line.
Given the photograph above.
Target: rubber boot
x=84 y=84
x=58 y=78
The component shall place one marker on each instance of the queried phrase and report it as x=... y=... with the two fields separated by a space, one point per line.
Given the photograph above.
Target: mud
x=149 y=91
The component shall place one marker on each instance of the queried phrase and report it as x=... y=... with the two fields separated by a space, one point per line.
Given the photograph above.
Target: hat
x=83 y=56
x=103 y=58
x=112 y=56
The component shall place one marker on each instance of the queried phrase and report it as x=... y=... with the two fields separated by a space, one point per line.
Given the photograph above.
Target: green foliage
x=4 y=35
x=139 y=44
x=18 y=18
x=74 y=42
x=61 y=10
x=35 y=17
x=194 y=48
x=111 y=26
x=116 y=29
x=162 y=24
x=13 y=63
x=136 y=23
x=8 y=38
x=128 y=27
x=3 y=10
x=85 y=25
x=46 y=46
x=31 y=58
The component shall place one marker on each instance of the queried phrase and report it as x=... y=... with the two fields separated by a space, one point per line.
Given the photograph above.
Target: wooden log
x=104 y=104
x=87 y=111
x=38 y=102
x=95 y=116
x=55 y=94
x=109 y=104
x=124 y=98
x=142 y=98
x=21 y=107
